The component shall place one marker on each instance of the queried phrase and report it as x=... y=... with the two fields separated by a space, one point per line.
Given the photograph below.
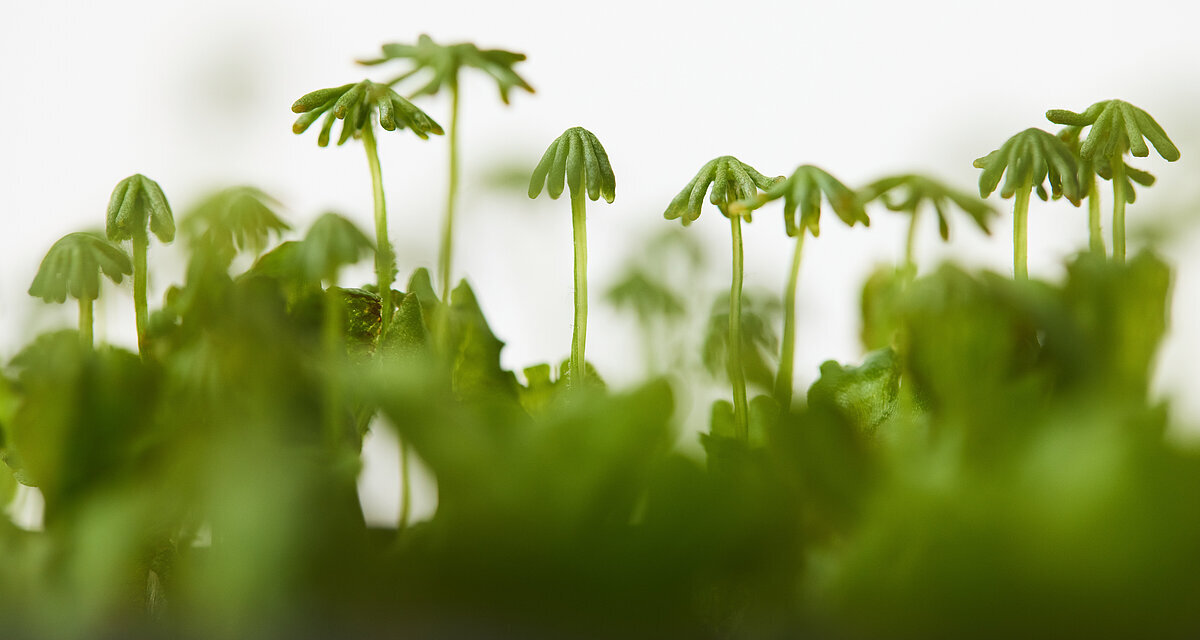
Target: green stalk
x=447 y=249
x=85 y=322
x=331 y=336
x=1095 y=234
x=383 y=247
x=141 y=245
x=579 y=334
x=383 y=274
x=737 y=376
x=910 y=262
x=783 y=382
x=1118 y=181
x=405 y=487
x=1021 y=231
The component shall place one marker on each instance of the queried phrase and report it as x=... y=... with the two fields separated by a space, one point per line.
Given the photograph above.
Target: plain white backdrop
x=197 y=95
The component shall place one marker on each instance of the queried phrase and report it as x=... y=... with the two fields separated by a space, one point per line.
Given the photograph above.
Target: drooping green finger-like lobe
x=138 y=203
x=1030 y=157
x=574 y=164
x=804 y=190
x=353 y=104
x=73 y=266
x=1131 y=175
x=538 y=180
x=732 y=183
x=320 y=99
x=443 y=63
x=576 y=161
x=1117 y=127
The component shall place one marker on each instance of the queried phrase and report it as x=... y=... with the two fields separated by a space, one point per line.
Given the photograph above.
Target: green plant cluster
x=994 y=467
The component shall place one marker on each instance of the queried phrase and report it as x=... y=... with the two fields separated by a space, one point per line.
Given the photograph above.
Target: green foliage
x=354 y=104
x=73 y=267
x=803 y=190
x=575 y=158
x=731 y=180
x=760 y=342
x=235 y=219
x=442 y=64
x=1031 y=157
x=908 y=193
x=647 y=298
x=331 y=243
x=138 y=203
x=864 y=396
x=995 y=464
x=1117 y=127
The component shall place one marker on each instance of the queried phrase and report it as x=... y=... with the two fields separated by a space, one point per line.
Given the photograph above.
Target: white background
x=196 y=96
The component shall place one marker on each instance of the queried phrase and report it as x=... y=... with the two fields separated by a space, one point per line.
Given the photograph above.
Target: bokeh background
x=196 y=96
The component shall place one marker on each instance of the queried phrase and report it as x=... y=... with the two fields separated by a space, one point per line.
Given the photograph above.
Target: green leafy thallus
x=73 y=266
x=354 y=104
x=802 y=192
x=577 y=159
x=1117 y=128
x=730 y=180
x=443 y=64
x=137 y=205
x=1030 y=158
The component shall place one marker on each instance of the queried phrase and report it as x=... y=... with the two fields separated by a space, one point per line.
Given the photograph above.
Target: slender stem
x=910 y=262
x=383 y=247
x=579 y=334
x=1095 y=234
x=783 y=382
x=1118 y=181
x=331 y=336
x=141 y=245
x=405 y=487
x=1021 y=232
x=384 y=264
x=737 y=377
x=85 y=322
x=447 y=249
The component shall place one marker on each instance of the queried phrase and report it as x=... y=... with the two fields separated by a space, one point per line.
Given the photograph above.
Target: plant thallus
x=578 y=159
x=731 y=180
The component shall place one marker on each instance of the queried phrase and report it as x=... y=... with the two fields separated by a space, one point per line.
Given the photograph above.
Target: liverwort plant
x=1117 y=128
x=731 y=180
x=1030 y=158
x=73 y=267
x=443 y=62
x=138 y=204
x=578 y=159
x=912 y=193
x=354 y=104
x=803 y=191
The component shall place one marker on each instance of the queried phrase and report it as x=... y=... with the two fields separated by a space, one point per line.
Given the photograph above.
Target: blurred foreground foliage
x=994 y=468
